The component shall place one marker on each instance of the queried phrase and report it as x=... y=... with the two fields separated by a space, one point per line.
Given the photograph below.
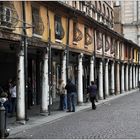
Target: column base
x=23 y=122
x=80 y=103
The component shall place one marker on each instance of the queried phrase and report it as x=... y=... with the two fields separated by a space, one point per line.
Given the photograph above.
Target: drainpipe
x=67 y=49
x=50 y=65
x=25 y=58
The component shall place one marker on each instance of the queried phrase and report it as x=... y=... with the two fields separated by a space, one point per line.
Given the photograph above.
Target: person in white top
x=13 y=97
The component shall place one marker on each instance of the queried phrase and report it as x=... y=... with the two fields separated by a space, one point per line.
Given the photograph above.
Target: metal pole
x=67 y=49
x=25 y=60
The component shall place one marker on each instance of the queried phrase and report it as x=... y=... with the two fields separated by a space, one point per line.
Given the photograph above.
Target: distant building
x=127 y=19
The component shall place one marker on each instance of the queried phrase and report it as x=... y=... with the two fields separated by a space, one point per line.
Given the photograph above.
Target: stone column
x=20 y=87
x=134 y=77
x=112 y=79
x=91 y=69
x=80 y=79
x=106 y=80
x=139 y=72
x=118 y=78
x=126 y=78
x=101 y=79
x=131 y=78
x=45 y=85
x=122 y=78
x=63 y=72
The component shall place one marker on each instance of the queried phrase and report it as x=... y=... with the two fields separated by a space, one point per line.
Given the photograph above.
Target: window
x=126 y=51
x=37 y=22
x=108 y=13
x=59 y=31
x=77 y=34
x=88 y=38
x=99 y=40
x=6 y=15
x=100 y=7
x=104 y=12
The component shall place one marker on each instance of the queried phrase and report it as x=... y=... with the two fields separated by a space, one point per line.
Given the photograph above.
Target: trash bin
x=3 y=131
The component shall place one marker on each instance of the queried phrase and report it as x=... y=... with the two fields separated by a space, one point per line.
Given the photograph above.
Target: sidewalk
x=36 y=119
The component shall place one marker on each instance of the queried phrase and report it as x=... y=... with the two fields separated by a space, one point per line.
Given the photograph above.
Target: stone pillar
x=117 y=78
x=139 y=72
x=63 y=72
x=20 y=87
x=80 y=79
x=45 y=85
x=133 y=76
x=126 y=78
x=122 y=78
x=112 y=79
x=92 y=68
x=136 y=76
x=101 y=80
x=106 y=79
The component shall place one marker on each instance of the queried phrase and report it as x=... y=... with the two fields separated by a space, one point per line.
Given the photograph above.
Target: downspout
x=67 y=49
x=24 y=39
x=50 y=64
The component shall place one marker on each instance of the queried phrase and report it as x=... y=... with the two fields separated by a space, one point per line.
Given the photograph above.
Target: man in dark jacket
x=92 y=93
x=71 y=91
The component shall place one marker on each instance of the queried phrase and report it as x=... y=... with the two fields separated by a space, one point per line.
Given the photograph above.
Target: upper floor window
x=100 y=7
x=59 y=31
x=126 y=51
x=104 y=12
x=108 y=15
x=74 y=4
x=77 y=34
x=37 y=21
x=8 y=14
x=88 y=38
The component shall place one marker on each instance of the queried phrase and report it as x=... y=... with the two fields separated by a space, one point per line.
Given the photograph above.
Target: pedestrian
x=62 y=94
x=92 y=94
x=71 y=93
x=13 y=97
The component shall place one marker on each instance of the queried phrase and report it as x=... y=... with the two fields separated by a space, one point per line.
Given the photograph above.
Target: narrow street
x=119 y=118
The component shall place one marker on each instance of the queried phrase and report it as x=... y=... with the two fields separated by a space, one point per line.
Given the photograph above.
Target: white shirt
x=13 y=92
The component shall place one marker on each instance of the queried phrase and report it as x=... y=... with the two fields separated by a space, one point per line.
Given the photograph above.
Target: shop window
x=59 y=31
x=37 y=22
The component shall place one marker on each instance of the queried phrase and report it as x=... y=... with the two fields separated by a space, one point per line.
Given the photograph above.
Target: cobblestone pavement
x=119 y=118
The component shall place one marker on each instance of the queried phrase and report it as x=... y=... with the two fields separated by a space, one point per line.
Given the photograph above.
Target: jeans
x=71 y=101
x=92 y=99
x=63 y=102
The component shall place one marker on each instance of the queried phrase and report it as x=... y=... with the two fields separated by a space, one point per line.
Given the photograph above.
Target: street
x=119 y=118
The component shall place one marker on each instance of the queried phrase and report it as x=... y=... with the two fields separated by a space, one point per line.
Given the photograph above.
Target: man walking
x=71 y=92
x=92 y=94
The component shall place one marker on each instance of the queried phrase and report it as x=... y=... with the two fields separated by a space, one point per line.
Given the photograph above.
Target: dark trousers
x=92 y=99
x=13 y=102
x=71 y=101
x=63 y=102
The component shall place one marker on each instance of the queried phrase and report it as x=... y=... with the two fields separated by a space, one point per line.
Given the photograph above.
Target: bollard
x=2 y=120
x=3 y=131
